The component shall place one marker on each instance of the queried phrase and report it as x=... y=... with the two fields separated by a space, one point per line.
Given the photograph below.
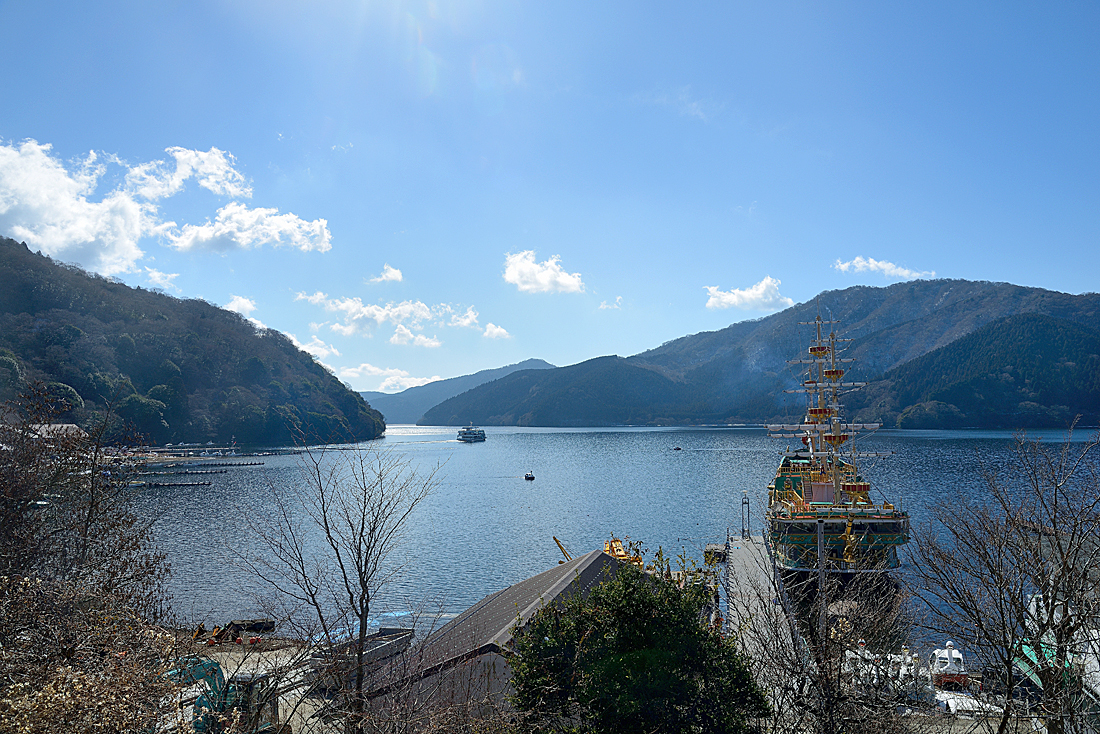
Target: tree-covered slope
x=890 y=325
x=408 y=406
x=738 y=374
x=1022 y=371
x=179 y=370
x=599 y=392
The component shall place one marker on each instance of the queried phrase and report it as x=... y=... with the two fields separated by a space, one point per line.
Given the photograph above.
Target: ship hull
x=854 y=541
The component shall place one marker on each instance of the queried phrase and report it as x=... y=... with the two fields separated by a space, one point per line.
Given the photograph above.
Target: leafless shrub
x=1012 y=578
x=81 y=584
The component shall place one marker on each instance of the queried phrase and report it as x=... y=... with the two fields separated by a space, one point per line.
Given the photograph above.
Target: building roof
x=487 y=626
x=58 y=430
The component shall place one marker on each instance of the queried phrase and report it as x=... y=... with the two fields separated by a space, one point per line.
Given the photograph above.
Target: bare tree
x=830 y=661
x=1013 y=578
x=329 y=549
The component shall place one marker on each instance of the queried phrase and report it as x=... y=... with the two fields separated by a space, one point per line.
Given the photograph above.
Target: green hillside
x=1024 y=371
x=178 y=370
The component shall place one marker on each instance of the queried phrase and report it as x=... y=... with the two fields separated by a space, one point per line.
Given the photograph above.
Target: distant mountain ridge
x=738 y=374
x=409 y=405
x=177 y=369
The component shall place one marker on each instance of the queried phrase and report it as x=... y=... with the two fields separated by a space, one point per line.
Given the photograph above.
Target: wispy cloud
x=888 y=269
x=315 y=298
x=492 y=331
x=764 y=296
x=388 y=274
x=52 y=205
x=237 y=226
x=355 y=313
x=618 y=303
x=468 y=319
x=681 y=100
x=403 y=335
x=408 y=316
x=214 y=170
x=395 y=379
x=521 y=270
x=164 y=280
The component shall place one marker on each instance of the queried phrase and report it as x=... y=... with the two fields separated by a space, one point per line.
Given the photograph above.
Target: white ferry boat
x=471 y=434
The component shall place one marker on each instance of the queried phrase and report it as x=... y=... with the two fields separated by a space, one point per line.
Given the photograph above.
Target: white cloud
x=213 y=169
x=235 y=225
x=764 y=296
x=529 y=276
x=164 y=280
x=388 y=274
x=355 y=313
x=395 y=379
x=344 y=329
x=408 y=317
x=888 y=269
x=315 y=347
x=245 y=307
x=240 y=304
x=492 y=331
x=48 y=203
x=47 y=206
x=403 y=335
x=315 y=298
x=468 y=319
x=617 y=304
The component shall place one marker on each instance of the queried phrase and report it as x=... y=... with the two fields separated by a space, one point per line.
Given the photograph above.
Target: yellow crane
x=564 y=552
x=613 y=547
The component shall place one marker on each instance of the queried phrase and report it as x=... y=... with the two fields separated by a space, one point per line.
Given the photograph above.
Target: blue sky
x=426 y=189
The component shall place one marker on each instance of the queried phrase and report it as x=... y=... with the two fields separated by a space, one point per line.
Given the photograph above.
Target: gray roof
x=58 y=430
x=487 y=625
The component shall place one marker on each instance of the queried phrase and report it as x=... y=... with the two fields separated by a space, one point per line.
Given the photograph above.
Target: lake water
x=485 y=527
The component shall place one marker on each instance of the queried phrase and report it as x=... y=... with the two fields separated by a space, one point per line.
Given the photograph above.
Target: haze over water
x=485 y=527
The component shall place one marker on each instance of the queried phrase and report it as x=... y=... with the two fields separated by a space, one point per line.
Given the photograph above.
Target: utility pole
x=821 y=572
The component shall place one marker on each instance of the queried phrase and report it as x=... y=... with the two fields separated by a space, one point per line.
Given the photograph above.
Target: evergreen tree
x=635 y=655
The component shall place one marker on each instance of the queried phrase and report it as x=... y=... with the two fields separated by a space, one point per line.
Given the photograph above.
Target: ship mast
x=818 y=485
x=823 y=431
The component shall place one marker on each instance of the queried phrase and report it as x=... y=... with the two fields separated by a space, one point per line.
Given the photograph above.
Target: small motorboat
x=529 y=476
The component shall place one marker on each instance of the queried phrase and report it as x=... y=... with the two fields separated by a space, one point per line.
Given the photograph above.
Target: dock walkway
x=754 y=613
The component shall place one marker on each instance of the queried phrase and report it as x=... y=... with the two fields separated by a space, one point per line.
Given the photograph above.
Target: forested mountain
x=178 y=370
x=408 y=406
x=601 y=391
x=738 y=374
x=1022 y=371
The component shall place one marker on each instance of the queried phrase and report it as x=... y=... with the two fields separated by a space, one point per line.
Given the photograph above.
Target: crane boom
x=561 y=547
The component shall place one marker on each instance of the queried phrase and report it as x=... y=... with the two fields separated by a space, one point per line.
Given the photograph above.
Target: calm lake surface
x=485 y=527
